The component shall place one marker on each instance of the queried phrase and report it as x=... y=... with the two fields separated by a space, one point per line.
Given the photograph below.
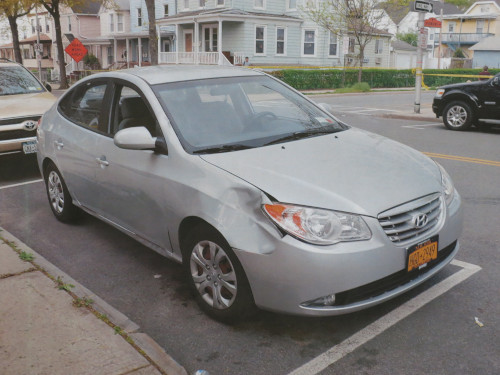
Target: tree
x=12 y=10
x=153 y=36
x=359 y=19
x=410 y=38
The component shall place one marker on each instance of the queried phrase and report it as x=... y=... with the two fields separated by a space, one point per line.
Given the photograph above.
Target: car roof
x=175 y=73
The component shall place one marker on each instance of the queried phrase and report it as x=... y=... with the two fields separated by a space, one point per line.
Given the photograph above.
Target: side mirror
x=326 y=107
x=136 y=138
x=48 y=87
x=496 y=81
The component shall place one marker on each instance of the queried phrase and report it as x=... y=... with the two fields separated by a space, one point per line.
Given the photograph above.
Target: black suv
x=466 y=104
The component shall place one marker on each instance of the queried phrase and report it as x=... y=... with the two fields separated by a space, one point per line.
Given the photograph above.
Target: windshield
x=16 y=80
x=228 y=114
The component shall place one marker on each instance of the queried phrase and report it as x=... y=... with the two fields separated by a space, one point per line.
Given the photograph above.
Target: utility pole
x=418 y=75
x=440 y=34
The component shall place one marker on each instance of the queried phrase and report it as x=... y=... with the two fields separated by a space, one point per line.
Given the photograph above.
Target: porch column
x=196 y=42
x=219 y=42
x=114 y=50
x=158 y=30
x=177 y=43
x=140 y=50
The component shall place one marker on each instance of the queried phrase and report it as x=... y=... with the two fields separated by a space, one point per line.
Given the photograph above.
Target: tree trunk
x=15 y=39
x=153 y=36
x=361 y=58
x=60 y=50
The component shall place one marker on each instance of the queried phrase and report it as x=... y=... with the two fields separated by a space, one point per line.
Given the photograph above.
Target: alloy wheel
x=213 y=275
x=56 y=192
x=456 y=116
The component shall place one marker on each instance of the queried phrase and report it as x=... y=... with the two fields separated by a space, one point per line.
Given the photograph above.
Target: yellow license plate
x=422 y=253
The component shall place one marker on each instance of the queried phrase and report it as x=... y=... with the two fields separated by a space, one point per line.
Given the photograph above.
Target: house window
x=352 y=44
x=292 y=4
x=47 y=25
x=334 y=45
x=259 y=4
x=165 y=10
x=309 y=41
x=186 y=4
x=111 y=22
x=202 y=3
x=119 y=22
x=260 y=45
x=479 y=26
x=139 y=17
x=32 y=26
x=485 y=9
x=69 y=23
x=280 y=40
x=451 y=27
x=210 y=38
x=379 y=46
x=220 y=3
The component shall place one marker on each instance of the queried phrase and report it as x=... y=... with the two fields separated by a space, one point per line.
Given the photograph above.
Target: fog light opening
x=324 y=301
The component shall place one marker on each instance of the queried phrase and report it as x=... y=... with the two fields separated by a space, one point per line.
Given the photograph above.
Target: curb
x=146 y=345
x=409 y=117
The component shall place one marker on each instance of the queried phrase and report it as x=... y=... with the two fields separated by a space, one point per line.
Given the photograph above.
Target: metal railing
x=464 y=38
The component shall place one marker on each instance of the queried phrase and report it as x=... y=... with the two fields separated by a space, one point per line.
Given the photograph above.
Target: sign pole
x=418 y=76
x=38 y=45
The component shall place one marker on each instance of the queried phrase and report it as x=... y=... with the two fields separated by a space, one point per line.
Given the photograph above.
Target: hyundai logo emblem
x=419 y=220
x=29 y=125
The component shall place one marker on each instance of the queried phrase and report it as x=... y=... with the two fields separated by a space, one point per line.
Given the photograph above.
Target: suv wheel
x=457 y=116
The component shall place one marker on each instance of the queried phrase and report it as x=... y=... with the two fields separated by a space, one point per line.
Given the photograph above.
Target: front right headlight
x=317 y=226
x=439 y=93
x=448 y=188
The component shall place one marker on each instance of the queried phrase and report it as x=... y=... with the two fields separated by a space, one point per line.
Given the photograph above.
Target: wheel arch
x=453 y=96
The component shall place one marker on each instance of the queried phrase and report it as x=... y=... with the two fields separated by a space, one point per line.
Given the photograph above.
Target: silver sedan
x=265 y=198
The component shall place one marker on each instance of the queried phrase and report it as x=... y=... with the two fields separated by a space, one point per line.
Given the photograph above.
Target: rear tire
x=60 y=200
x=216 y=276
x=458 y=115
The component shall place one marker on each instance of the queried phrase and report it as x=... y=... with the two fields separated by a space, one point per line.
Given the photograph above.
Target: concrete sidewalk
x=49 y=324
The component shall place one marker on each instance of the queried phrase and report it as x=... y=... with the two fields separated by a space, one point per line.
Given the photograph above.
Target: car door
x=491 y=99
x=131 y=186
x=75 y=138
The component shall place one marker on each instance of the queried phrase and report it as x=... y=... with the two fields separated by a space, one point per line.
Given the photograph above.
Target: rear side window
x=85 y=106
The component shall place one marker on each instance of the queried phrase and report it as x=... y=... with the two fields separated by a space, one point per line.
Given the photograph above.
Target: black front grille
x=17 y=120
x=16 y=134
x=390 y=282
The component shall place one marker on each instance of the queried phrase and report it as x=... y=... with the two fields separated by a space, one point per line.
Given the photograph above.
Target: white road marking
x=347 y=346
x=20 y=184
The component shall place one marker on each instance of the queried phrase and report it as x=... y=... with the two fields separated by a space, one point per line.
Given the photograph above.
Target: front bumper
x=359 y=274
x=437 y=107
x=14 y=145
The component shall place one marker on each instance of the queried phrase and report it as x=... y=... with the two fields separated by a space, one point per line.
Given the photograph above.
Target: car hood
x=24 y=105
x=352 y=171
x=462 y=85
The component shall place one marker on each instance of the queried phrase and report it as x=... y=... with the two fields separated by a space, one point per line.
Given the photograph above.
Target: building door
x=188 y=41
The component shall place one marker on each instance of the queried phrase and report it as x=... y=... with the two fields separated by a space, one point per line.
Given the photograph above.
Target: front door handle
x=102 y=161
x=59 y=144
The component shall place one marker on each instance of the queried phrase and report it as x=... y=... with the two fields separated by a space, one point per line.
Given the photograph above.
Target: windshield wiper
x=224 y=148
x=302 y=134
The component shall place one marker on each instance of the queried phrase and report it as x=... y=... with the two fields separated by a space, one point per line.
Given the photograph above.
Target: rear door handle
x=59 y=144
x=102 y=161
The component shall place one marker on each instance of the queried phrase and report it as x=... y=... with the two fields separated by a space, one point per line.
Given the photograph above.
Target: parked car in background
x=266 y=198
x=465 y=104
x=23 y=100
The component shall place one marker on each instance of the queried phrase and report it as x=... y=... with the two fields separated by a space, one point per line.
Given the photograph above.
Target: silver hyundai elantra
x=266 y=199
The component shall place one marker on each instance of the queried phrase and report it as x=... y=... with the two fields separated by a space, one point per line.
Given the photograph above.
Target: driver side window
x=130 y=110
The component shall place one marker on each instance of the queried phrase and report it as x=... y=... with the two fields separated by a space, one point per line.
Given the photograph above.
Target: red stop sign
x=76 y=50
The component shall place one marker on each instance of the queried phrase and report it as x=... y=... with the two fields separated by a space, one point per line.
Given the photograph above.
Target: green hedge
x=303 y=79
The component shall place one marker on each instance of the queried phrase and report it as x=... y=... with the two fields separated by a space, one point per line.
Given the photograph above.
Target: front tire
x=458 y=115
x=216 y=276
x=60 y=200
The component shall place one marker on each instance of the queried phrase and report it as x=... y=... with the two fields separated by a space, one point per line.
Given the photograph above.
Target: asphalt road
x=440 y=337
